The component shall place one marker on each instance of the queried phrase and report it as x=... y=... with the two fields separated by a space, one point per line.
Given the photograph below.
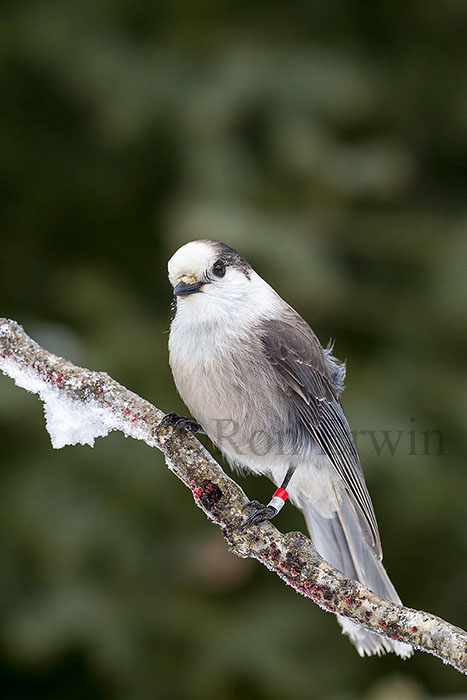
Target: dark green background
x=327 y=142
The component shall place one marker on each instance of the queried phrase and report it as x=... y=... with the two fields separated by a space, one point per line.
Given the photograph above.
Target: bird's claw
x=180 y=423
x=253 y=504
x=261 y=514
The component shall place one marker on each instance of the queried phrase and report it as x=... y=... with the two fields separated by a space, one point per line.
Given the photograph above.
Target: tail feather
x=339 y=540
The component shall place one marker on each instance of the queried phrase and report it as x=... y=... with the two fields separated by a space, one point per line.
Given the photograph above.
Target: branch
x=81 y=405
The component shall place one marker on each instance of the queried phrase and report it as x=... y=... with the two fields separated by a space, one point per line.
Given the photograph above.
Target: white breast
x=208 y=364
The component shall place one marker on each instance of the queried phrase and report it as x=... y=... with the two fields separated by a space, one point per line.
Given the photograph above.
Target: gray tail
x=340 y=541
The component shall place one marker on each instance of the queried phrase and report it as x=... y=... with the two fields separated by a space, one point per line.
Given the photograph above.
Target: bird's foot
x=180 y=423
x=261 y=513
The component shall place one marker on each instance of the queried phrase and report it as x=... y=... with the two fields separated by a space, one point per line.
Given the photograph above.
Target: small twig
x=292 y=556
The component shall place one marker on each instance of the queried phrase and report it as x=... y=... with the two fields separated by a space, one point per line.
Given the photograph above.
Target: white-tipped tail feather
x=340 y=541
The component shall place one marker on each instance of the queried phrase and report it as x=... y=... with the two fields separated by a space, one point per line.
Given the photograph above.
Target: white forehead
x=191 y=259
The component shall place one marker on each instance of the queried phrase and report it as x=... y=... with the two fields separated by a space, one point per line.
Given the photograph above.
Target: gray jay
x=258 y=382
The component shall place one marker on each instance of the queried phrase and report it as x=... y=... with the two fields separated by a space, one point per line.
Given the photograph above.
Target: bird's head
x=209 y=277
x=213 y=283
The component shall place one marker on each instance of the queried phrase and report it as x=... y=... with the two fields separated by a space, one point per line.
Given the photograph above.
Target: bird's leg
x=276 y=503
x=180 y=422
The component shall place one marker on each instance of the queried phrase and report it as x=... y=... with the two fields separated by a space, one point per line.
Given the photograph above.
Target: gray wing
x=299 y=361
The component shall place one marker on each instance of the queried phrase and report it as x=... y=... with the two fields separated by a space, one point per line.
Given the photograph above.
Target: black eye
x=218 y=268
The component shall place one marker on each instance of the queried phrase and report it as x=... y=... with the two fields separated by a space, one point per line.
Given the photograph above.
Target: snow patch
x=68 y=421
x=73 y=422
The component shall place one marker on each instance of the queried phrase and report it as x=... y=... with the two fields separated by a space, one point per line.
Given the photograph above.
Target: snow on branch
x=80 y=405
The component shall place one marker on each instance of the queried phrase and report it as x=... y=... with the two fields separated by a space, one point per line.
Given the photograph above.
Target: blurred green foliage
x=327 y=142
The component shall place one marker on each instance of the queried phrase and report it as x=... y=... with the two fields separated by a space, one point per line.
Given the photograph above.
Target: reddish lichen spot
x=107 y=403
x=314 y=592
x=273 y=552
x=383 y=624
x=414 y=628
x=59 y=378
x=196 y=490
x=347 y=601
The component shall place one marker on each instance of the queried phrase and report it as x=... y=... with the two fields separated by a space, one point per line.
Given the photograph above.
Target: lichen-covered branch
x=81 y=404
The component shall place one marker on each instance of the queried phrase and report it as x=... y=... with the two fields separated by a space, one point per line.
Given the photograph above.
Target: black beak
x=182 y=289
